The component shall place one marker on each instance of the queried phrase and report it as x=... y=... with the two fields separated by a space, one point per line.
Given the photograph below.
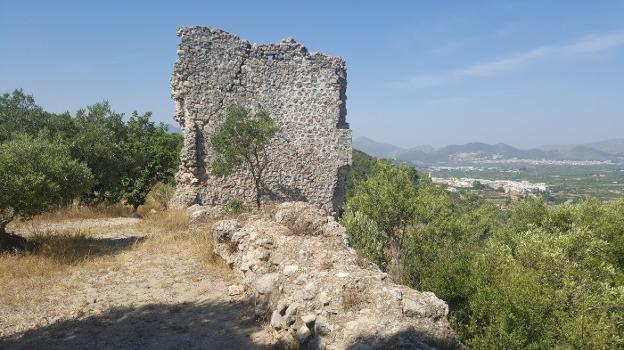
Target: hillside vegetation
x=47 y=160
x=534 y=277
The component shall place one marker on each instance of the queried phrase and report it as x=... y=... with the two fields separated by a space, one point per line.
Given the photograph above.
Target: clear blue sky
x=521 y=72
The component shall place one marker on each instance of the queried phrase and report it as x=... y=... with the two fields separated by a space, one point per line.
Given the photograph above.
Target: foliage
x=36 y=175
x=126 y=158
x=536 y=277
x=100 y=141
x=365 y=236
x=235 y=206
x=243 y=140
x=20 y=115
x=363 y=167
x=155 y=153
x=386 y=198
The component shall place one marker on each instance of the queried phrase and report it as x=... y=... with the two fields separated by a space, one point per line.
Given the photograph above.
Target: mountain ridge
x=482 y=151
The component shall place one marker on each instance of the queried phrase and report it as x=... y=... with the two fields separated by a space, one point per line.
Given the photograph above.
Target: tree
x=20 y=114
x=242 y=140
x=36 y=175
x=155 y=154
x=101 y=142
x=362 y=167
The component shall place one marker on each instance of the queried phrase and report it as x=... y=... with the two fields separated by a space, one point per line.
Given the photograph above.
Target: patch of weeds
x=235 y=206
x=353 y=297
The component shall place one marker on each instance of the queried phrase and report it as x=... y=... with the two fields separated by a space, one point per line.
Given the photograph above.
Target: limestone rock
x=424 y=304
x=321 y=326
x=290 y=269
x=266 y=283
x=303 y=333
x=224 y=229
x=308 y=319
x=236 y=289
x=276 y=320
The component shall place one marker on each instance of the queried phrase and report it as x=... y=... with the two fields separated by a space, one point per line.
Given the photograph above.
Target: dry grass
x=395 y=267
x=169 y=221
x=26 y=275
x=203 y=251
x=171 y=231
x=85 y=212
x=56 y=250
x=52 y=254
x=150 y=204
x=326 y=265
x=353 y=297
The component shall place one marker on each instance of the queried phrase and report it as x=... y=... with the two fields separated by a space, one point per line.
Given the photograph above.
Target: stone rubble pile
x=316 y=291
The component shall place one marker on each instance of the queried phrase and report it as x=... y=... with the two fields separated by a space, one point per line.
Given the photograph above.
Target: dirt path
x=141 y=297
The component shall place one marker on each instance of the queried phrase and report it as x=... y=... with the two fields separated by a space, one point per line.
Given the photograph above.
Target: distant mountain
x=472 y=151
x=583 y=152
x=476 y=151
x=385 y=150
x=376 y=149
x=614 y=146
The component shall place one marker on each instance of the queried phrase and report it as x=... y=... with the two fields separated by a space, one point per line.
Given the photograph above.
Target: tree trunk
x=257 y=193
x=3 y=233
x=10 y=242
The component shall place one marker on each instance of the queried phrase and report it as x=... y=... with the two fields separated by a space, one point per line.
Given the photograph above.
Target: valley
x=503 y=173
x=562 y=183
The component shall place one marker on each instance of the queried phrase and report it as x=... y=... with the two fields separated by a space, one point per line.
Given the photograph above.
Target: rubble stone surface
x=309 y=284
x=305 y=93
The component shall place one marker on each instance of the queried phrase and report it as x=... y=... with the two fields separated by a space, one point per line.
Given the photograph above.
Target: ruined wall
x=297 y=264
x=305 y=93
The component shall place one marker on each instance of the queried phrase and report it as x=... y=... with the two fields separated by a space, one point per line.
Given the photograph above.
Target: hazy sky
x=521 y=72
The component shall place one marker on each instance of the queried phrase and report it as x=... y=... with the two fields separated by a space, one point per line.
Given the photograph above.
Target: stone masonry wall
x=305 y=93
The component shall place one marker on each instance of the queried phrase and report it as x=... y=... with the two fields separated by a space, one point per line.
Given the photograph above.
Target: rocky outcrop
x=305 y=93
x=316 y=291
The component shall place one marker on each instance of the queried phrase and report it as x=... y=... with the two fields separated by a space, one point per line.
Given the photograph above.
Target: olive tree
x=36 y=175
x=242 y=141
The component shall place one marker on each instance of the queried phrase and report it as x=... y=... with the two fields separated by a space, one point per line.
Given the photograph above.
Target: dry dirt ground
x=135 y=289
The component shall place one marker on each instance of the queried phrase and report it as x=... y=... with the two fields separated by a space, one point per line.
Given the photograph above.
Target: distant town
x=506 y=186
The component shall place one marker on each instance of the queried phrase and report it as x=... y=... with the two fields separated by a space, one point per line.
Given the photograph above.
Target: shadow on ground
x=154 y=326
x=184 y=326
x=67 y=247
x=406 y=340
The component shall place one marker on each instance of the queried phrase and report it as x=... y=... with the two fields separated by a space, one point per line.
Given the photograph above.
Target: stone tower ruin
x=305 y=93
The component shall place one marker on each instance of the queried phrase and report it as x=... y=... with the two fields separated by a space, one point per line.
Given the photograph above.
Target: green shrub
x=386 y=198
x=538 y=277
x=235 y=206
x=365 y=236
x=126 y=158
x=37 y=175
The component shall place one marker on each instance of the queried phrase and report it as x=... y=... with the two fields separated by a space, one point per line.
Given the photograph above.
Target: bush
x=37 y=175
x=126 y=159
x=537 y=277
x=235 y=206
x=386 y=198
x=365 y=236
